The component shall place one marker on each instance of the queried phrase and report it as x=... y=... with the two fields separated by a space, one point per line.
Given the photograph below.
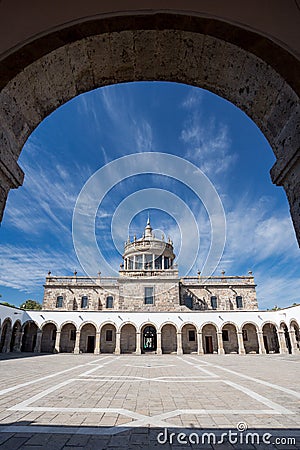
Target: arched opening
x=250 y=338
x=287 y=340
x=149 y=339
x=189 y=339
x=29 y=337
x=108 y=338
x=169 y=338
x=295 y=329
x=229 y=337
x=128 y=338
x=48 y=338
x=87 y=338
x=210 y=340
x=182 y=51
x=15 y=343
x=67 y=338
x=5 y=336
x=270 y=338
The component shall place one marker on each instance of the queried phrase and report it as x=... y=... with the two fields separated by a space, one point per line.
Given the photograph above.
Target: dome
x=148 y=253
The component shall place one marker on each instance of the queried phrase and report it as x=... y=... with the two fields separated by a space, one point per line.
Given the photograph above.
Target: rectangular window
x=84 y=302
x=59 y=301
x=109 y=301
x=109 y=336
x=192 y=335
x=149 y=296
x=245 y=335
x=139 y=262
x=158 y=262
x=148 y=261
x=73 y=335
x=225 y=335
x=239 y=301
x=213 y=302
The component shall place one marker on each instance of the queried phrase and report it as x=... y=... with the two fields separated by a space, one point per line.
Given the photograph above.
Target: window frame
x=109 y=301
x=148 y=296
x=225 y=335
x=61 y=297
x=87 y=302
x=239 y=302
x=189 y=335
x=110 y=333
x=214 y=298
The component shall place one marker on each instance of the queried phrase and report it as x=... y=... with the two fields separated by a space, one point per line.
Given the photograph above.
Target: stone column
x=134 y=262
x=138 y=350
x=163 y=262
x=200 y=343
x=57 y=342
x=261 y=344
x=220 y=343
x=282 y=343
x=18 y=341
x=143 y=264
x=179 y=343
x=241 y=343
x=158 y=343
x=97 y=343
x=293 y=340
x=7 y=340
x=77 y=342
x=118 y=343
x=38 y=343
x=153 y=262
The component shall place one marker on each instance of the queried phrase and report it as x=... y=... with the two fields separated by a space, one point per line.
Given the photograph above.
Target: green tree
x=31 y=304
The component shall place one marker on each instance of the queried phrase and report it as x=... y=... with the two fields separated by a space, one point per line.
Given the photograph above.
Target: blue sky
x=96 y=128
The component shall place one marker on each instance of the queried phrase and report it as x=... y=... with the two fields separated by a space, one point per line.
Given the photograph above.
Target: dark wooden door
x=208 y=344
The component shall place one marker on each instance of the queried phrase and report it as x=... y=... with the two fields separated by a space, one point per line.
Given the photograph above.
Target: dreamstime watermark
x=90 y=252
x=240 y=437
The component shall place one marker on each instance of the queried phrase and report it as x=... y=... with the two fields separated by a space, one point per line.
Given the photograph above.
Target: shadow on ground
x=26 y=435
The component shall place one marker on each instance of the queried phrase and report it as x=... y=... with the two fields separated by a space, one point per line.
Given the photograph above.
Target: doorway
x=149 y=339
x=208 y=344
x=90 y=344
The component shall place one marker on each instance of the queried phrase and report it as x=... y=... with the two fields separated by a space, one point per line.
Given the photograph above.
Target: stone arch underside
x=247 y=69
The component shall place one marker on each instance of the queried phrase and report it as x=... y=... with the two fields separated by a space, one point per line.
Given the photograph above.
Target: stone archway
x=48 y=338
x=270 y=337
x=29 y=337
x=87 y=341
x=169 y=339
x=227 y=59
x=250 y=339
x=6 y=335
x=230 y=340
x=210 y=340
x=149 y=339
x=128 y=338
x=189 y=339
x=108 y=338
x=295 y=336
x=67 y=338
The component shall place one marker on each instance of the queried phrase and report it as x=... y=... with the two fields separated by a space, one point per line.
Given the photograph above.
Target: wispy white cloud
x=207 y=142
x=25 y=268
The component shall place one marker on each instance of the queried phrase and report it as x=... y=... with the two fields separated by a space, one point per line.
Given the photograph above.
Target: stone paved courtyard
x=104 y=401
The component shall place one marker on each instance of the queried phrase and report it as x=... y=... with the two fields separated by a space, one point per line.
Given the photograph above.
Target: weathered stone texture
x=152 y=54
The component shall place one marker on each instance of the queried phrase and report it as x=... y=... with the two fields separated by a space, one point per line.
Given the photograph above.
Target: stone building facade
x=149 y=308
x=148 y=281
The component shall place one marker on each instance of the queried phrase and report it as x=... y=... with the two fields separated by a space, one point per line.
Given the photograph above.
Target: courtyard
x=90 y=401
